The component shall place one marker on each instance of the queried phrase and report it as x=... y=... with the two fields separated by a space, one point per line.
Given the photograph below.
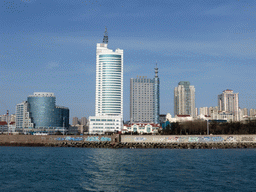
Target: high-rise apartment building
x=109 y=90
x=23 y=120
x=184 y=99
x=144 y=99
x=228 y=102
x=244 y=111
x=75 y=121
x=204 y=111
x=83 y=121
x=252 y=112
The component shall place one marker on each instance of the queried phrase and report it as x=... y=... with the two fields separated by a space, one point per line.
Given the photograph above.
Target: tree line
x=215 y=128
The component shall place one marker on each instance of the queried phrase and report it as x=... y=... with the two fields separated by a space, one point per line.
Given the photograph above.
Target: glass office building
x=44 y=112
x=109 y=87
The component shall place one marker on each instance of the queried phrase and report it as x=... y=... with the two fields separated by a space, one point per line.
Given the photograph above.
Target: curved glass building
x=44 y=112
x=110 y=86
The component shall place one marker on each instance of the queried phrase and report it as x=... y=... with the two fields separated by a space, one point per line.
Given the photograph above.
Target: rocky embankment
x=139 y=145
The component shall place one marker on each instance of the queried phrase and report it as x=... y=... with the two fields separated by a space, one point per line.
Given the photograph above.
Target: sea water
x=85 y=169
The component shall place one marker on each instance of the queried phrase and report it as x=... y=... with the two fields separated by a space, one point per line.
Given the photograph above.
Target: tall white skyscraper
x=228 y=102
x=184 y=99
x=109 y=90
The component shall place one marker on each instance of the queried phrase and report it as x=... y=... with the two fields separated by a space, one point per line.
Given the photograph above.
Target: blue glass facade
x=62 y=116
x=45 y=114
x=111 y=68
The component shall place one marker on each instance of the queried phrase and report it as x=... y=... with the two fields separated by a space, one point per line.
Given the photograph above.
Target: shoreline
x=137 y=145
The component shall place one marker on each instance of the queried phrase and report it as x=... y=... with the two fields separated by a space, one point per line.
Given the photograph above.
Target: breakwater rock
x=138 y=145
x=189 y=145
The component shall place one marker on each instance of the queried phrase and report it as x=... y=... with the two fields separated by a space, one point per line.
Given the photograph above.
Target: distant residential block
x=75 y=121
x=203 y=111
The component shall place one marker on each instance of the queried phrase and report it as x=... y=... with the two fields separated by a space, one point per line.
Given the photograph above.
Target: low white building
x=103 y=124
x=178 y=118
x=141 y=128
x=215 y=114
x=203 y=117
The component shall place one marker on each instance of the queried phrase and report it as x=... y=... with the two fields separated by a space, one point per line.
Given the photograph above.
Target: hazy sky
x=50 y=46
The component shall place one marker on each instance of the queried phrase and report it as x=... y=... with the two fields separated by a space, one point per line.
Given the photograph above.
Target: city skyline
x=50 y=47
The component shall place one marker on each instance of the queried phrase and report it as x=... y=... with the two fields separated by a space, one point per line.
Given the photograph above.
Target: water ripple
x=78 y=169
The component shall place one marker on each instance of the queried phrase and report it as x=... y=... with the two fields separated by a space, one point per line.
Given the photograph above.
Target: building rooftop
x=183 y=115
x=143 y=124
x=42 y=94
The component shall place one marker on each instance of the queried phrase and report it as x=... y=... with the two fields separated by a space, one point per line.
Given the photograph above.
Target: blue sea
x=85 y=169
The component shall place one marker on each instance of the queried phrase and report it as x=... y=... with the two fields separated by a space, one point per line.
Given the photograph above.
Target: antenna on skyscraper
x=105 y=38
x=156 y=71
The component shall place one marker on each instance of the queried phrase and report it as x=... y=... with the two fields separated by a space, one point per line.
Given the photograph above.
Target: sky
x=50 y=46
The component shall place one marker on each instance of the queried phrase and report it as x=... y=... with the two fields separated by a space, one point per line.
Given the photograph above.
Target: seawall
x=188 y=138
x=133 y=141
x=42 y=140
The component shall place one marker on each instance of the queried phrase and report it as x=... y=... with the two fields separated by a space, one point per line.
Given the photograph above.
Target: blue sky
x=50 y=46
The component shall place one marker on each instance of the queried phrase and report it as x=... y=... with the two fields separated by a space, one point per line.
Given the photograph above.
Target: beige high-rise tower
x=184 y=99
x=228 y=102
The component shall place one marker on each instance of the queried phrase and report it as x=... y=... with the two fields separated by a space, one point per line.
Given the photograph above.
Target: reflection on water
x=78 y=169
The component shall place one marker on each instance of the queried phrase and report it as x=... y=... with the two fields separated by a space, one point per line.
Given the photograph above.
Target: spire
x=156 y=71
x=105 y=38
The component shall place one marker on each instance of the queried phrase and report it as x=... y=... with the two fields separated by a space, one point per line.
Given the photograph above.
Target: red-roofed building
x=3 y=123
x=4 y=127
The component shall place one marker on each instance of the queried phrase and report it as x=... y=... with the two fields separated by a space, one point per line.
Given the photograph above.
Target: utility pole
x=63 y=124
x=207 y=127
x=7 y=119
